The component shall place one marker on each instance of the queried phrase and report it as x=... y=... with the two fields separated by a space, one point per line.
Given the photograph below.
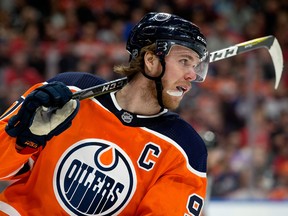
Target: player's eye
x=185 y=62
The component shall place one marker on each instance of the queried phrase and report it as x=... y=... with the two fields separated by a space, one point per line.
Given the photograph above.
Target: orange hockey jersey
x=109 y=162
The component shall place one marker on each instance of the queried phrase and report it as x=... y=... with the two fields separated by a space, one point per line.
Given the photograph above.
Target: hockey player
x=121 y=153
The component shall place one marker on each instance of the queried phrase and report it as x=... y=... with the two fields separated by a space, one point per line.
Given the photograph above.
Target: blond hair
x=136 y=65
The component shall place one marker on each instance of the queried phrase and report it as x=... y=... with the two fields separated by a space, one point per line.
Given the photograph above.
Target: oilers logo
x=94 y=177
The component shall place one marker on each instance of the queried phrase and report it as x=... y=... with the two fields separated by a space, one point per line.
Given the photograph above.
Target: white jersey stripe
x=8 y=209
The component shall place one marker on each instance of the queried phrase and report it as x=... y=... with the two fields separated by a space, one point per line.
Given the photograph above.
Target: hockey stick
x=268 y=42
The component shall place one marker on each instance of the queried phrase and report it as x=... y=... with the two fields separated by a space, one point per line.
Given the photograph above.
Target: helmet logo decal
x=162 y=16
x=94 y=177
x=163 y=46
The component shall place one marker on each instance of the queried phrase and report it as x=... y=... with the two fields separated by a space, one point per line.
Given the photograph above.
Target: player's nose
x=190 y=75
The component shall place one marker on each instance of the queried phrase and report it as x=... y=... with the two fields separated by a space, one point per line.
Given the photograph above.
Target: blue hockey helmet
x=167 y=30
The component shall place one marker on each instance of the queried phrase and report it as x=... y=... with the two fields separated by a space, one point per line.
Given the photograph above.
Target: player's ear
x=151 y=63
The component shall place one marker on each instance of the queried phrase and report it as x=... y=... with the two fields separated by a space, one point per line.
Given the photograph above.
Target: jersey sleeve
x=13 y=164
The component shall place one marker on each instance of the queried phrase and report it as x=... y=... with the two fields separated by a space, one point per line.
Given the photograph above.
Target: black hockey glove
x=33 y=126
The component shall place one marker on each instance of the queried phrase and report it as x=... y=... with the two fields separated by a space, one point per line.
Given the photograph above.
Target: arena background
x=240 y=115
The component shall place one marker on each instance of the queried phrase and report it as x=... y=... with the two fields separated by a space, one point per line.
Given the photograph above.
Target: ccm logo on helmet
x=201 y=39
x=94 y=177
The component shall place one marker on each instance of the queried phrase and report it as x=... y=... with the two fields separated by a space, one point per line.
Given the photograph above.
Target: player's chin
x=171 y=102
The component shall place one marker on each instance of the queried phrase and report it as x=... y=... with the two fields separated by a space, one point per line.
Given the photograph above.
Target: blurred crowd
x=237 y=111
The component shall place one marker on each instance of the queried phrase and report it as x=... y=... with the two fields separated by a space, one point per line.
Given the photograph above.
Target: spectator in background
x=19 y=70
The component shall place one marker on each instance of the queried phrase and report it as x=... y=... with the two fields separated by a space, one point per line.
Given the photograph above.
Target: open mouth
x=180 y=90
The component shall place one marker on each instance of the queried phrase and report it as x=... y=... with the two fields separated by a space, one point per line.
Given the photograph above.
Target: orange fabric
x=167 y=186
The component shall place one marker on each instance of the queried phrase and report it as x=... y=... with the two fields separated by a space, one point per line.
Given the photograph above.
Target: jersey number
x=195 y=204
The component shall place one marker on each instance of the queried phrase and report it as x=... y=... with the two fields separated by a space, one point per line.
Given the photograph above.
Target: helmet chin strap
x=158 y=82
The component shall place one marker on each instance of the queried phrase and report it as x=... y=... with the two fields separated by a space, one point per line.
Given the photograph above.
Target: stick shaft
x=100 y=89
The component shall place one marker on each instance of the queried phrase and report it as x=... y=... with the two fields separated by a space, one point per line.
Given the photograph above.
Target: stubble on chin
x=170 y=102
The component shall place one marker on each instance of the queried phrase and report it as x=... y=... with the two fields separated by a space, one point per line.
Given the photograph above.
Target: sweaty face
x=180 y=71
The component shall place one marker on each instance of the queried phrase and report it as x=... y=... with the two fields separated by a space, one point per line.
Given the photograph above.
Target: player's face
x=180 y=64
